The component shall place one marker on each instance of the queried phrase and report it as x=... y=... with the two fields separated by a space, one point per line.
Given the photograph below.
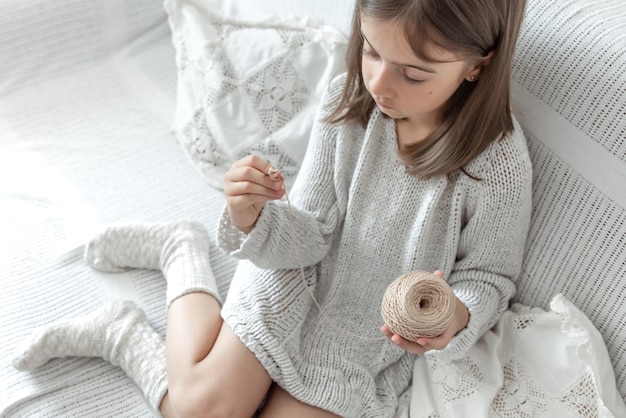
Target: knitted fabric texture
x=362 y=222
x=418 y=304
x=118 y=332
x=180 y=249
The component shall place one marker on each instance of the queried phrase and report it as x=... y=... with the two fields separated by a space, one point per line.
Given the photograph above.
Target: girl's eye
x=372 y=55
x=368 y=54
x=411 y=80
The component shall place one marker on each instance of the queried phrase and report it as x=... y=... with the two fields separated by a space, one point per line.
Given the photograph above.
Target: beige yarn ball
x=418 y=304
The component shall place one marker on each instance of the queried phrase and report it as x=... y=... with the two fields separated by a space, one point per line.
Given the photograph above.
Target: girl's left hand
x=424 y=344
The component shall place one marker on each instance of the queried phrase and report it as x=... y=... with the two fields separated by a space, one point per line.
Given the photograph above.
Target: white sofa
x=87 y=105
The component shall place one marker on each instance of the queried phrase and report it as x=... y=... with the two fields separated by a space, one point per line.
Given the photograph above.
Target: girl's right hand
x=247 y=186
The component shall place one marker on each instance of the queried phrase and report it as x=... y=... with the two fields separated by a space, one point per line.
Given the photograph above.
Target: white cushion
x=531 y=364
x=248 y=87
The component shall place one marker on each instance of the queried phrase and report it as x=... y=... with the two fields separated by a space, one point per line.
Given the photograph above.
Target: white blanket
x=86 y=140
x=531 y=364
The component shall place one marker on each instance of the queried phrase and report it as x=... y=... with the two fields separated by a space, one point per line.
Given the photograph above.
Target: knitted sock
x=179 y=249
x=118 y=332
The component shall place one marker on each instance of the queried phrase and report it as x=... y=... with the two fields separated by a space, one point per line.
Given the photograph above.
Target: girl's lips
x=383 y=105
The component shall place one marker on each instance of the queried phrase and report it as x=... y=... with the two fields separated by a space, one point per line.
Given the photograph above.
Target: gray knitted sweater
x=360 y=222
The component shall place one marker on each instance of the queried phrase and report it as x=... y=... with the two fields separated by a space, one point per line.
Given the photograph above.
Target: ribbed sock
x=117 y=332
x=179 y=249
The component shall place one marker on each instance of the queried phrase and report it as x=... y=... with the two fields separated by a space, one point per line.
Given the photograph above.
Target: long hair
x=478 y=113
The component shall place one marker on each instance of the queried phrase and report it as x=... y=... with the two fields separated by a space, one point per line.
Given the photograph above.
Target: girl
x=415 y=162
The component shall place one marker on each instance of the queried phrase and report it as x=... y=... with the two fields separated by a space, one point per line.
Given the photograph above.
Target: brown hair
x=478 y=113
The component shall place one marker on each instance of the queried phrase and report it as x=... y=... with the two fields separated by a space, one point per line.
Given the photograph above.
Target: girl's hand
x=424 y=344
x=247 y=186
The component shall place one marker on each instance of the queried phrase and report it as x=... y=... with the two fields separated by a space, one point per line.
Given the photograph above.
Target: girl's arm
x=490 y=248
x=492 y=241
x=283 y=235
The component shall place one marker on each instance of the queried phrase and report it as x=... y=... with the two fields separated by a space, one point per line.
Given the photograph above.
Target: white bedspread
x=85 y=140
x=87 y=91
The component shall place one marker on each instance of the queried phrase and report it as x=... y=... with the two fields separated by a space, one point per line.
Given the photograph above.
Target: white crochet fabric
x=360 y=222
x=248 y=87
x=532 y=364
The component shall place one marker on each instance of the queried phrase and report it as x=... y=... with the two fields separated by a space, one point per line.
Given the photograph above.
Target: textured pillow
x=248 y=87
x=533 y=363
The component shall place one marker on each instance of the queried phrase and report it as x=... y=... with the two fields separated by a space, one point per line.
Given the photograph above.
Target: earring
x=473 y=78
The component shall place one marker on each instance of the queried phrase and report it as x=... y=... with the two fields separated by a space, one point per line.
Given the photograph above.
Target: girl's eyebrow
x=417 y=67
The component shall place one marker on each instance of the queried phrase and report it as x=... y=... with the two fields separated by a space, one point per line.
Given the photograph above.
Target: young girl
x=415 y=162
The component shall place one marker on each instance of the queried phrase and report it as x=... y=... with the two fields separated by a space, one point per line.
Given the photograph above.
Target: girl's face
x=406 y=88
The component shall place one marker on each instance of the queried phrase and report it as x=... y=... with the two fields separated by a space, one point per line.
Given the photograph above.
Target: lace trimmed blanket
x=532 y=364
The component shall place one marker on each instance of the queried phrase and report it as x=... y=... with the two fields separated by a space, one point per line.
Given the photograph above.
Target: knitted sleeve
x=491 y=245
x=285 y=238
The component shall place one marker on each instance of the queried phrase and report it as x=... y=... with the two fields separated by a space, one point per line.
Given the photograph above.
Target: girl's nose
x=381 y=83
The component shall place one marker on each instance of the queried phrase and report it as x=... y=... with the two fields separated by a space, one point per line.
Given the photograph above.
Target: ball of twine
x=418 y=304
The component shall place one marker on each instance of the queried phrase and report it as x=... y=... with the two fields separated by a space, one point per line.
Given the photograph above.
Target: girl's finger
x=385 y=330
x=247 y=179
x=261 y=166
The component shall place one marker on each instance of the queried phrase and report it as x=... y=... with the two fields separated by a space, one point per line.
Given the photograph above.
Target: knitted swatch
x=418 y=304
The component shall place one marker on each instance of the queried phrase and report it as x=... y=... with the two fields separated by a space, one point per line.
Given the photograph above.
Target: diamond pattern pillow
x=248 y=87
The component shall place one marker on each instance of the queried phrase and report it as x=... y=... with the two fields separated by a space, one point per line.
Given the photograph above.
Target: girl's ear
x=475 y=71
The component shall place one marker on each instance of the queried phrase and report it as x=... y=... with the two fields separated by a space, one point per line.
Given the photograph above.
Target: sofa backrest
x=569 y=93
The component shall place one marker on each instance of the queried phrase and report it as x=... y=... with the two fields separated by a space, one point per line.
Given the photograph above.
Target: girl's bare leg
x=210 y=371
x=282 y=405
